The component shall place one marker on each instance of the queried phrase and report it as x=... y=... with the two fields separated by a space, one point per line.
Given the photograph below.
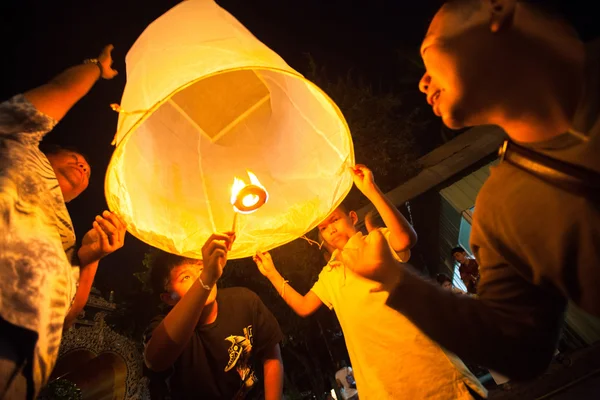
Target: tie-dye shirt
x=38 y=275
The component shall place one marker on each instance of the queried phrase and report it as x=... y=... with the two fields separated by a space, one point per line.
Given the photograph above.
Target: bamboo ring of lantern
x=250 y=199
x=204 y=101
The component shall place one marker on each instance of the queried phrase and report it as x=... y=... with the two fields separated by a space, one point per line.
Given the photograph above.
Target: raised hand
x=214 y=256
x=363 y=179
x=264 y=262
x=107 y=235
x=105 y=59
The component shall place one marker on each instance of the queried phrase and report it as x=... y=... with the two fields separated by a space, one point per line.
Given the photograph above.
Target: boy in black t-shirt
x=208 y=341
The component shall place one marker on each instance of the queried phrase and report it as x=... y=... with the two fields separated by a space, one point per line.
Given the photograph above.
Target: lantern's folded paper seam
x=117 y=108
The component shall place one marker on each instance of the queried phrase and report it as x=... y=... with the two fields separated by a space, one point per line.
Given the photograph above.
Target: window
x=464 y=234
x=456 y=281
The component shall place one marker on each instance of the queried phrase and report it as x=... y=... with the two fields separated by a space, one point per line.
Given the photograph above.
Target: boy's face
x=181 y=279
x=338 y=228
x=447 y=285
x=460 y=256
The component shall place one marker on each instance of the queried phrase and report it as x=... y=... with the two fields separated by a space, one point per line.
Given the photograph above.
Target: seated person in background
x=469 y=269
x=344 y=378
x=391 y=357
x=209 y=341
x=446 y=283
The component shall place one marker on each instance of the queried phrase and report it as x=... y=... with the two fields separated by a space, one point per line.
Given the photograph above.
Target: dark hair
x=343 y=208
x=441 y=278
x=457 y=249
x=52 y=149
x=466 y=8
x=161 y=264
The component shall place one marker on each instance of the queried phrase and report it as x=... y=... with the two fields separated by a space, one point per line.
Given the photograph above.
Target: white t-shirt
x=391 y=357
x=347 y=391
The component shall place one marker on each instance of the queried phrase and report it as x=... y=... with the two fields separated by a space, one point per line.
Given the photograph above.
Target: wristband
x=203 y=285
x=96 y=62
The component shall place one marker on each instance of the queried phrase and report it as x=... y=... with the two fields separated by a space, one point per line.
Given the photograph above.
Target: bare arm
x=172 y=335
x=520 y=337
x=512 y=327
x=86 y=280
x=56 y=97
x=273 y=370
x=106 y=236
x=402 y=235
x=302 y=305
x=174 y=332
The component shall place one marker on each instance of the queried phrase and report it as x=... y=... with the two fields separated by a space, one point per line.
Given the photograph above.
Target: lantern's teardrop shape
x=205 y=102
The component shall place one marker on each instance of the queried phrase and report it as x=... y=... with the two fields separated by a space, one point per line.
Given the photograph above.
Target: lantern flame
x=237 y=186
x=254 y=180
x=249 y=200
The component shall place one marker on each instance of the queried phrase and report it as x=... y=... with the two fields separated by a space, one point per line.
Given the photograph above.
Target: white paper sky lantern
x=206 y=102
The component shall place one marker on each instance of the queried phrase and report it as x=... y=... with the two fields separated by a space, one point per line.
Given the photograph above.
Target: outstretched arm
x=302 y=305
x=171 y=336
x=56 y=97
x=106 y=236
x=402 y=235
x=512 y=327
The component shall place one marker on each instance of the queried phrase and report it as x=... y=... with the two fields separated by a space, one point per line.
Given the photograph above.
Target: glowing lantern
x=205 y=102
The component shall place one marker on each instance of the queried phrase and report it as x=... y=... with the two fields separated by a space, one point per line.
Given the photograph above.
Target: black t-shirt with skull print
x=220 y=359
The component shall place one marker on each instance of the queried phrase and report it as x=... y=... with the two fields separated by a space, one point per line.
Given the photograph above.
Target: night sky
x=41 y=38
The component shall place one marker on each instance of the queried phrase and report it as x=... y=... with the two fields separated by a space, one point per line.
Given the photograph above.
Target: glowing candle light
x=247 y=198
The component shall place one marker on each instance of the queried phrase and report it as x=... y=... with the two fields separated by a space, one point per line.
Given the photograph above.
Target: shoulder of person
x=19 y=115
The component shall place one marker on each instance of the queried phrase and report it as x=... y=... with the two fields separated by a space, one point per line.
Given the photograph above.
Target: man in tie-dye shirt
x=44 y=282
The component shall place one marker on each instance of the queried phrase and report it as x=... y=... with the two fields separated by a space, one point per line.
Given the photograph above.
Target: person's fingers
x=104 y=243
x=216 y=245
x=106 y=51
x=218 y=253
x=115 y=219
x=213 y=237
x=220 y=256
x=105 y=58
x=118 y=232
x=109 y=229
